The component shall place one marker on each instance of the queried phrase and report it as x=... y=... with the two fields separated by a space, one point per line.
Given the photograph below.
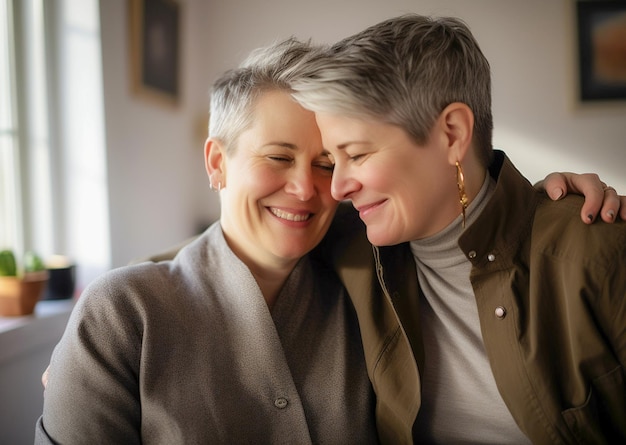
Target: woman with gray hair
x=243 y=337
x=500 y=316
x=246 y=336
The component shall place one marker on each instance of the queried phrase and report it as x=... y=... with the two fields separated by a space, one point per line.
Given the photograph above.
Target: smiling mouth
x=290 y=216
x=366 y=209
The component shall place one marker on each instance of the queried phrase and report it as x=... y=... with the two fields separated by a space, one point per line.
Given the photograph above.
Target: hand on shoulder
x=600 y=199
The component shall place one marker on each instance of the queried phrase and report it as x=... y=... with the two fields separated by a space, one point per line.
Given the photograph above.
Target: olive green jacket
x=557 y=348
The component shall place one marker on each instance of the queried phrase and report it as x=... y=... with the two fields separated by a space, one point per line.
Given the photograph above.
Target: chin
x=381 y=239
x=293 y=252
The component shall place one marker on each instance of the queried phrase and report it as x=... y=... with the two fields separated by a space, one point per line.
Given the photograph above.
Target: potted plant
x=21 y=289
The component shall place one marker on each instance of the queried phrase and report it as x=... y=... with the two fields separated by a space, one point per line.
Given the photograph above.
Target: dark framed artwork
x=155 y=49
x=602 y=49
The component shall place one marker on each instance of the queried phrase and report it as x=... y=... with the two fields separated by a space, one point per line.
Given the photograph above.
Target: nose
x=342 y=185
x=301 y=184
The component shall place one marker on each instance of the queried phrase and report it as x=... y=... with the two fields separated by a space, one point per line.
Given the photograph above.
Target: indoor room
x=101 y=146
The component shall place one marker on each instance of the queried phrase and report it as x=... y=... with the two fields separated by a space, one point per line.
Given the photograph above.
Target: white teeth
x=290 y=216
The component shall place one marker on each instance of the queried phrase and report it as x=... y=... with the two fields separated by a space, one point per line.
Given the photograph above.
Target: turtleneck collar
x=442 y=250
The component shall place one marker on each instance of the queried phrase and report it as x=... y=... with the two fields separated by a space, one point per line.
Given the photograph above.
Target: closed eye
x=325 y=166
x=355 y=157
x=280 y=158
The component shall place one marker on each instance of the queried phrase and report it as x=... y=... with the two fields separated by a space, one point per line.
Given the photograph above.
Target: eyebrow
x=347 y=144
x=281 y=144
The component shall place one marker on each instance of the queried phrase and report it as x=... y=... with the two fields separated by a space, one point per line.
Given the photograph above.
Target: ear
x=214 y=156
x=457 y=122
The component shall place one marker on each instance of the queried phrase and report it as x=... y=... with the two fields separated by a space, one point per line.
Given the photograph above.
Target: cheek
x=381 y=177
x=259 y=182
x=328 y=202
x=322 y=181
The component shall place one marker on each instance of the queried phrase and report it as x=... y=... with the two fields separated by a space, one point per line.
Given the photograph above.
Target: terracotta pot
x=18 y=296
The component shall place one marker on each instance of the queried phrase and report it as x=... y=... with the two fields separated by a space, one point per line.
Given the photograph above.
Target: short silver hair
x=403 y=71
x=234 y=94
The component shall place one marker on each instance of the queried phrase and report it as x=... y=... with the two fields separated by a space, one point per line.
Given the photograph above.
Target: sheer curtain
x=53 y=183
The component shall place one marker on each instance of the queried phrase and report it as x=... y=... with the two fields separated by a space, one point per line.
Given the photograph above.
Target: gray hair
x=403 y=71
x=234 y=94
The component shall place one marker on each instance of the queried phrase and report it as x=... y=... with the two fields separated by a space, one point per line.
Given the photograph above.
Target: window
x=53 y=187
x=26 y=191
x=9 y=162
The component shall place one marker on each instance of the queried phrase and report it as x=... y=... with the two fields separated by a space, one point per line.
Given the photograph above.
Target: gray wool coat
x=187 y=351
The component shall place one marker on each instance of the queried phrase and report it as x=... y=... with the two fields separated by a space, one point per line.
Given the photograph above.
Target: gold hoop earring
x=460 y=182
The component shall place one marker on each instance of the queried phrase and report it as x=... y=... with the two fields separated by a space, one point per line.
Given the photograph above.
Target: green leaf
x=8 y=265
x=33 y=262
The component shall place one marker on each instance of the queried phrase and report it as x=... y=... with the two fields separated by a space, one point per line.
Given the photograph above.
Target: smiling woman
x=275 y=185
x=490 y=279
x=263 y=332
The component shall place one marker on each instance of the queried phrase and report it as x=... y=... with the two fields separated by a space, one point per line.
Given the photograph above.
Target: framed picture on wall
x=155 y=49
x=602 y=49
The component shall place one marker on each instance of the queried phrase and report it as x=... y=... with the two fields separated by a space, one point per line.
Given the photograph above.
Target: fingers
x=614 y=206
x=554 y=185
x=589 y=185
x=600 y=200
x=611 y=205
x=558 y=185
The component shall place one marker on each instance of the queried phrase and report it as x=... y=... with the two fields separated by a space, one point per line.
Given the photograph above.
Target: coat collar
x=506 y=220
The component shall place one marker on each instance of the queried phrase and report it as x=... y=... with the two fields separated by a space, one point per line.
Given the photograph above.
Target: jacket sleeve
x=614 y=309
x=92 y=391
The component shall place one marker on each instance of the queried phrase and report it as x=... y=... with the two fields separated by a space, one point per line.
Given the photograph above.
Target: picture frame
x=602 y=50
x=155 y=49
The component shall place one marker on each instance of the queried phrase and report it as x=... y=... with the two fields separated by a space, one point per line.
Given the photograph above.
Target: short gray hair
x=234 y=94
x=403 y=71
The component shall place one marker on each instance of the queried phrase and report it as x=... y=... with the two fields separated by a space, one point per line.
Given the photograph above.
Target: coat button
x=472 y=254
x=491 y=257
x=281 y=403
x=500 y=312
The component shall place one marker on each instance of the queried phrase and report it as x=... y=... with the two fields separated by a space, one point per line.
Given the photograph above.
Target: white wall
x=158 y=191
x=158 y=194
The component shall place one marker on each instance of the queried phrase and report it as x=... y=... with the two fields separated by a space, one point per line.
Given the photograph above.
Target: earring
x=212 y=187
x=460 y=182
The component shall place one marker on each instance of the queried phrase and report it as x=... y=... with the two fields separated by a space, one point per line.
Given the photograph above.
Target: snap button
x=472 y=254
x=281 y=403
x=491 y=257
x=500 y=312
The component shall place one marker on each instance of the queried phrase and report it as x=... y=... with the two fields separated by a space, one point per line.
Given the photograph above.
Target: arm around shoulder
x=92 y=389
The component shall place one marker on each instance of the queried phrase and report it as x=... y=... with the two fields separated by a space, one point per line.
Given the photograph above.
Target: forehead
x=339 y=131
x=278 y=116
x=277 y=120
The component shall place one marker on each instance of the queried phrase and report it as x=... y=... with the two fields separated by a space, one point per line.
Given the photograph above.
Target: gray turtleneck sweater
x=458 y=389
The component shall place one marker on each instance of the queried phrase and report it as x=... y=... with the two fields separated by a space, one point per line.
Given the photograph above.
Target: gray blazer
x=187 y=351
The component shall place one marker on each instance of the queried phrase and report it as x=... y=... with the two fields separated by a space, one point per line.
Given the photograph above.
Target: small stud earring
x=212 y=187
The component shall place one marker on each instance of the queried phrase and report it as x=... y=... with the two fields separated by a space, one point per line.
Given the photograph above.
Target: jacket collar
x=506 y=220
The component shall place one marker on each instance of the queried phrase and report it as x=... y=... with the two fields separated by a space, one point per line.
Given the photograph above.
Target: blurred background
x=99 y=172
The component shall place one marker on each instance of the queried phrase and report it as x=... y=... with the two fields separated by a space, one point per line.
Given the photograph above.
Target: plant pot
x=19 y=295
x=61 y=279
